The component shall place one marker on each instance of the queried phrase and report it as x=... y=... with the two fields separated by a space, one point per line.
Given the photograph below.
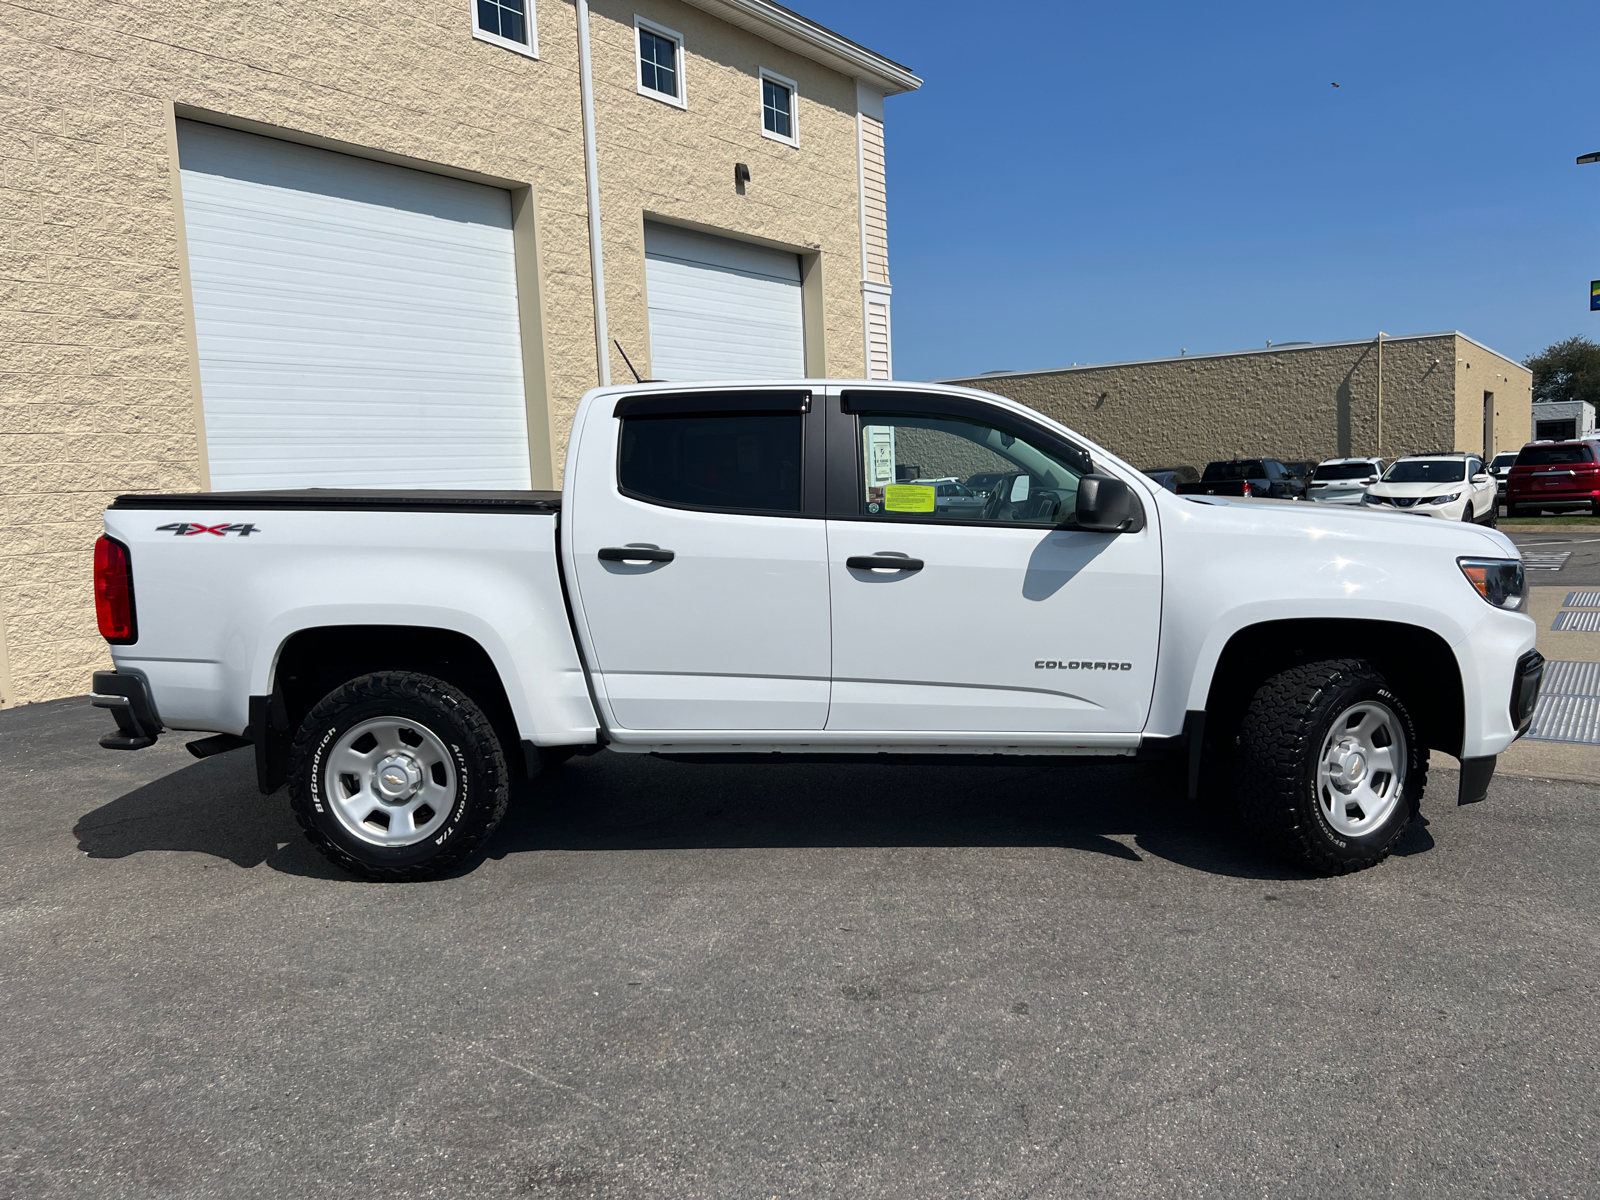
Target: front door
x=701 y=579
x=1005 y=618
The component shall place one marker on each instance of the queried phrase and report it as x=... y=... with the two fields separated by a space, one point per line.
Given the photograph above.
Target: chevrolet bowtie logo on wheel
x=189 y=529
x=1051 y=664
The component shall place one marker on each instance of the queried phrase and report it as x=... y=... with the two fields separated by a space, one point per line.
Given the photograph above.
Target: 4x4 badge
x=189 y=529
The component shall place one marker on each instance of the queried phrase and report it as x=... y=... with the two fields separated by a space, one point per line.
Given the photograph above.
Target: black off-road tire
x=1280 y=743
x=482 y=781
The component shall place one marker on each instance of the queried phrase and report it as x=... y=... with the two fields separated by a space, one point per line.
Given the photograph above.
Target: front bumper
x=131 y=707
x=1525 y=690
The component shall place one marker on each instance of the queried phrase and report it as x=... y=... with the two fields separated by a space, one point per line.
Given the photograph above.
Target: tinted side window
x=739 y=463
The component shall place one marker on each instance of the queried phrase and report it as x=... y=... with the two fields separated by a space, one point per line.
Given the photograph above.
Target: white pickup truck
x=738 y=569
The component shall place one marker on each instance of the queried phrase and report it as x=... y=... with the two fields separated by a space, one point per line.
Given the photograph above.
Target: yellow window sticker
x=908 y=497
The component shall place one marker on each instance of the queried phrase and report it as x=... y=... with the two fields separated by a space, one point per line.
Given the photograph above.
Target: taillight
x=113 y=592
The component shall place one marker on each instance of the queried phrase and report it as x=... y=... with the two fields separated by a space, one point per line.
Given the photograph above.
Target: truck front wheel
x=397 y=776
x=1330 y=769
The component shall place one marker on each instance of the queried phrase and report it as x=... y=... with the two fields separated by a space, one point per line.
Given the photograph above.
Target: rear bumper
x=128 y=699
x=1551 y=499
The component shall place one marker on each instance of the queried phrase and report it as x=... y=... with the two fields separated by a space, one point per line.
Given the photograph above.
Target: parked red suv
x=1554 y=475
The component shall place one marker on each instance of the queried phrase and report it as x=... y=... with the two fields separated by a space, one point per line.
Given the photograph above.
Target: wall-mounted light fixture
x=741 y=176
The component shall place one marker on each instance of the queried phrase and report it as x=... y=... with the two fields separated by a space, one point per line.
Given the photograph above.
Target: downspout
x=1380 y=393
x=591 y=170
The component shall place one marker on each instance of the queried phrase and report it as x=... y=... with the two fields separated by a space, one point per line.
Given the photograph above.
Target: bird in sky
x=1336 y=85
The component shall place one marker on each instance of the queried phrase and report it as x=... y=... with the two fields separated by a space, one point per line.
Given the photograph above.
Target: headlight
x=1497 y=580
x=1450 y=499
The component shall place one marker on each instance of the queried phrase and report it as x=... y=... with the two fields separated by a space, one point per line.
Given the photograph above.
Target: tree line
x=1568 y=370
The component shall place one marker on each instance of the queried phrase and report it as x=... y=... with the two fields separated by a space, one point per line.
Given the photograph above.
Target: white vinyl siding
x=879 y=363
x=874 y=201
x=722 y=309
x=357 y=321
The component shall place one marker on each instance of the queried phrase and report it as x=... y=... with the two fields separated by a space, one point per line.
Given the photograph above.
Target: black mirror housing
x=1107 y=505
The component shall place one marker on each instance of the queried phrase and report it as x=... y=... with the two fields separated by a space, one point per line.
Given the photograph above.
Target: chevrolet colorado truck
x=745 y=570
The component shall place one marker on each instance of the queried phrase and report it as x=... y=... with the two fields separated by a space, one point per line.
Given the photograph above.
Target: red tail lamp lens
x=113 y=592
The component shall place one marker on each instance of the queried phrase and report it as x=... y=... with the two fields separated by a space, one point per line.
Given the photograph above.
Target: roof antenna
x=626 y=359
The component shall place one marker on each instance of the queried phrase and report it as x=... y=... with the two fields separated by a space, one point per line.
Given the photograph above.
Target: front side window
x=737 y=463
x=777 y=107
x=928 y=468
x=507 y=23
x=660 y=65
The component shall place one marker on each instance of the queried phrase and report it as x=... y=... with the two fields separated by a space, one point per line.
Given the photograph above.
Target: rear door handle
x=623 y=554
x=882 y=562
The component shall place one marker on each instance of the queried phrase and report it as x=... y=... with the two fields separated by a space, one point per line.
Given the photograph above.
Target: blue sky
x=1095 y=183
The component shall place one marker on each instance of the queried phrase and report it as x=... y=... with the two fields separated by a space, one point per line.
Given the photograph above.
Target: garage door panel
x=722 y=309
x=357 y=321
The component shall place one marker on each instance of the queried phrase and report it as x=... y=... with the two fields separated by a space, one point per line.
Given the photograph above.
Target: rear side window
x=1545 y=456
x=737 y=463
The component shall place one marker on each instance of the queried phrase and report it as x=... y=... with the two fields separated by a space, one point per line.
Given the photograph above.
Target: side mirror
x=1107 y=505
x=1372 y=479
x=1481 y=477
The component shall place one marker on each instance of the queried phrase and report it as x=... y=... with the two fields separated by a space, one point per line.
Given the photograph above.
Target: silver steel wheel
x=390 y=781
x=1362 y=768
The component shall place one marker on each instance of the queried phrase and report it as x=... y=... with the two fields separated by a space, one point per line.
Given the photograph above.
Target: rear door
x=1002 y=620
x=697 y=545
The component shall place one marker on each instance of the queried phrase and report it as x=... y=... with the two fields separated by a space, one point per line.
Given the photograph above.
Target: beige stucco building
x=172 y=321
x=1419 y=393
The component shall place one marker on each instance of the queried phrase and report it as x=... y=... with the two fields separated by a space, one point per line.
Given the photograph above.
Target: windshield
x=1345 y=471
x=1545 y=456
x=1250 y=468
x=1427 y=470
x=1503 y=460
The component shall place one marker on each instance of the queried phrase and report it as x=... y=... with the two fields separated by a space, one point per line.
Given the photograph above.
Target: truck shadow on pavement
x=614 y=802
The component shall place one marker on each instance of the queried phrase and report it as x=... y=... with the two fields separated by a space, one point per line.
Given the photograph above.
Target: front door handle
x=882 y=562
x=634 y=554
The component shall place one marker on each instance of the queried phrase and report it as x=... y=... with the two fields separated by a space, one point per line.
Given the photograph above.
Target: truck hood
x=1386 y=526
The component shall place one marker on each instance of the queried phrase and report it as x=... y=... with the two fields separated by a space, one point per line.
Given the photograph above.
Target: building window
x=660 y=53
x=505 y=23
x=777 y=108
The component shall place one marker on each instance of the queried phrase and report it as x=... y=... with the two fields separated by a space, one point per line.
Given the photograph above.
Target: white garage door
x=721 y=309
x=357 y=321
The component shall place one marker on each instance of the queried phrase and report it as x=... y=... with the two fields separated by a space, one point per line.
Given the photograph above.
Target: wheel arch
x=312 y=662
x=1416 y=660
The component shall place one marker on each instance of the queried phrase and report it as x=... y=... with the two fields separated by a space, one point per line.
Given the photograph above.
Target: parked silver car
x=1343 y=480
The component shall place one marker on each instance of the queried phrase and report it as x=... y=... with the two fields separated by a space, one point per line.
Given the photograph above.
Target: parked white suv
x=1343 y=480
x=1454 y=487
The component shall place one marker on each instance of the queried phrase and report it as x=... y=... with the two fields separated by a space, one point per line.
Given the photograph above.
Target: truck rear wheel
x=1330 y=769
x=397 y=776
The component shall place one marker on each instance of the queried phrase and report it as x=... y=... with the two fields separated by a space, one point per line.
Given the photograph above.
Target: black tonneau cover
x=351 y=500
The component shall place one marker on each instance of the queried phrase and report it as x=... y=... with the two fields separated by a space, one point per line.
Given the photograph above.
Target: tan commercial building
x=1297 y=401
x=391 y=244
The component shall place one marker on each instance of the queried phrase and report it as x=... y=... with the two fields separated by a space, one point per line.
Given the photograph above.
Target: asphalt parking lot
x=1582 y=545
x=1030 y=979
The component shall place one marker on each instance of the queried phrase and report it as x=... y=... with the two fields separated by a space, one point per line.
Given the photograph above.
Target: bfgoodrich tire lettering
x=447 y=775
x=1289 y=740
